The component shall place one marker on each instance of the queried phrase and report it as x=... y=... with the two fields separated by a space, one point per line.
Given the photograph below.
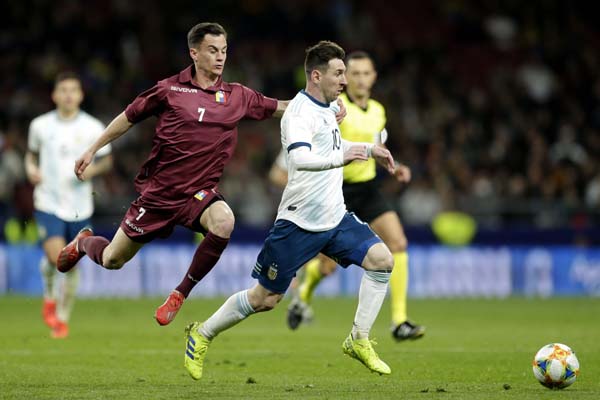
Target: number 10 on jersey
x=337 y=139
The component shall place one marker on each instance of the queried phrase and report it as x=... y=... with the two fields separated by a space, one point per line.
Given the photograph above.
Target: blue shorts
x=50 y=225
x=288 y=247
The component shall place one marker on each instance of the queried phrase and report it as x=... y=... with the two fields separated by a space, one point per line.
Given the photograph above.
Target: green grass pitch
x=473 y=349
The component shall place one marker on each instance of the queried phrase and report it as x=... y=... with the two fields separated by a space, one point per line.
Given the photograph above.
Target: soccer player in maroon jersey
x=195 y=137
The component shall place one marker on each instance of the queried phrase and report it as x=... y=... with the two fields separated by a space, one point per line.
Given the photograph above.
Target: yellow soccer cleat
x=196 y=346
x=362 y=350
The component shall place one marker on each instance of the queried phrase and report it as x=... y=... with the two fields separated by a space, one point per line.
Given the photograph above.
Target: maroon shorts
x=144 y=223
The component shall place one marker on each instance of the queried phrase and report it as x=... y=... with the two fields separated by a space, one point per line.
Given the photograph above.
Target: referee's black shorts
x=366 y=200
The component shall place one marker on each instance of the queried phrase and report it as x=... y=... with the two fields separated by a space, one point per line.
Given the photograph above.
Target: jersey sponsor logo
x=272 y=272
x=220 y=97
x=183 y=89
x=133 y=226
x=292 y=208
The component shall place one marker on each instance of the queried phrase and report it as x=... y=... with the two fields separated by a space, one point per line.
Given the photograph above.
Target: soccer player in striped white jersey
x=63 y=204
x=365 y=122
x=312 y=218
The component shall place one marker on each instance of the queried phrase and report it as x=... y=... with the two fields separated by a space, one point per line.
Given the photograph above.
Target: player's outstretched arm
x=281 y=106
x=114 y=130
x=305 y=160
x=358 y=151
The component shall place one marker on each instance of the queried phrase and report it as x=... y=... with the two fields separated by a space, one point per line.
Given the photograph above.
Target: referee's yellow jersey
x=361 y=126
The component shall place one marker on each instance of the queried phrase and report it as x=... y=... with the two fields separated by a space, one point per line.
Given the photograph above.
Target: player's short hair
x=196 y=35
x=319 y=55
x=67 y=75
x=359 y=55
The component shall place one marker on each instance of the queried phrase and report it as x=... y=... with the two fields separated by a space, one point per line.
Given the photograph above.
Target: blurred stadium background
x=494 y=105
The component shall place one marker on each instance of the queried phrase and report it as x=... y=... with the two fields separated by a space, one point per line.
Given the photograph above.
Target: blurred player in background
x=312 y=218
x=195 y=137
x=63 y=204
x=365 y=122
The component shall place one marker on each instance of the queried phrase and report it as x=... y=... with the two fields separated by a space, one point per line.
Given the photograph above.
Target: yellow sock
x=312 y=277
x=398 y=287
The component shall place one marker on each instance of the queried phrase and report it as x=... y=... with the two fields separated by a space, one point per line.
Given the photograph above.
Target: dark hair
x=196 y=35
x=319 y=55
x=359 y=55
x=64 y=76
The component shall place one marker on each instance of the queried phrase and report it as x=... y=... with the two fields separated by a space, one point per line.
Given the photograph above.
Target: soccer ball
x=556 y=366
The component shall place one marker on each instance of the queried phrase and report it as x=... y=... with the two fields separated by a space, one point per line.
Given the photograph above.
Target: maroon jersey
x=195 y=137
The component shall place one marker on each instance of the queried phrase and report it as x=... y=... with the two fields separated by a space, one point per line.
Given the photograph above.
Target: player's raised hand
x=384 y=158
x=340 y=115
x=402 y=173
x=355 y=152
x=82 y=163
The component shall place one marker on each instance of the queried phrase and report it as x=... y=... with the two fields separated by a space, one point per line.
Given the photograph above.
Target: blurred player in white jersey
x=312 y=218
x=63 y=204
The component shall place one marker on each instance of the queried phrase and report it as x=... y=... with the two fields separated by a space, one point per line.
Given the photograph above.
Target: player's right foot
x=196 y=346
x=408 y=330
x=49 y=313
x=298 y=312
x=168 y=310
x=362 y=350
x=60 y=330
x=70 y=254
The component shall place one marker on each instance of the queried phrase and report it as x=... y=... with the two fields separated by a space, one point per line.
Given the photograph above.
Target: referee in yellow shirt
x=365 y=122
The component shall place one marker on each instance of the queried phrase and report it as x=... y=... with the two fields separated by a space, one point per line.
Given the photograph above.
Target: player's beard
x=332 y=96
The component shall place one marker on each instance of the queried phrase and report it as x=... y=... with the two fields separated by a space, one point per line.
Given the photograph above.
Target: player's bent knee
x=113 y=263
x=384 y=263
x=224 y=226
x=379 y=259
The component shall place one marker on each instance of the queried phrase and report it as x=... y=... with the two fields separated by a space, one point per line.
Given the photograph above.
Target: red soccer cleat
x=70 y=255
x=60 y=330
x=168 y=310
x=49 y=313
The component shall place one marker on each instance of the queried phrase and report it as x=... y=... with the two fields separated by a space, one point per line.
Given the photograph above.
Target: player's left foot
x=196 y=346
x=70 y=254
x=408 y=330
x=168 y=310
x=60 y=330
x=298 y=312
x=49 y=313
x=363 y=351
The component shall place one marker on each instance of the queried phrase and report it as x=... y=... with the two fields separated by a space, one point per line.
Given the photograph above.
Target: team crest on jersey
x=220 y=97
x=201 y=195
x=272 y=272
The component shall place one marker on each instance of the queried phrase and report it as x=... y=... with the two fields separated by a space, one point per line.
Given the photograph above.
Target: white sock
x=48 y=272
x=373 y=288
x=65 y=296
x=235 y=309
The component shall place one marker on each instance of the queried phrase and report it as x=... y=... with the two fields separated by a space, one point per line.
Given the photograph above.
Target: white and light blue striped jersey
x=58 y=144
x=313 y=200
